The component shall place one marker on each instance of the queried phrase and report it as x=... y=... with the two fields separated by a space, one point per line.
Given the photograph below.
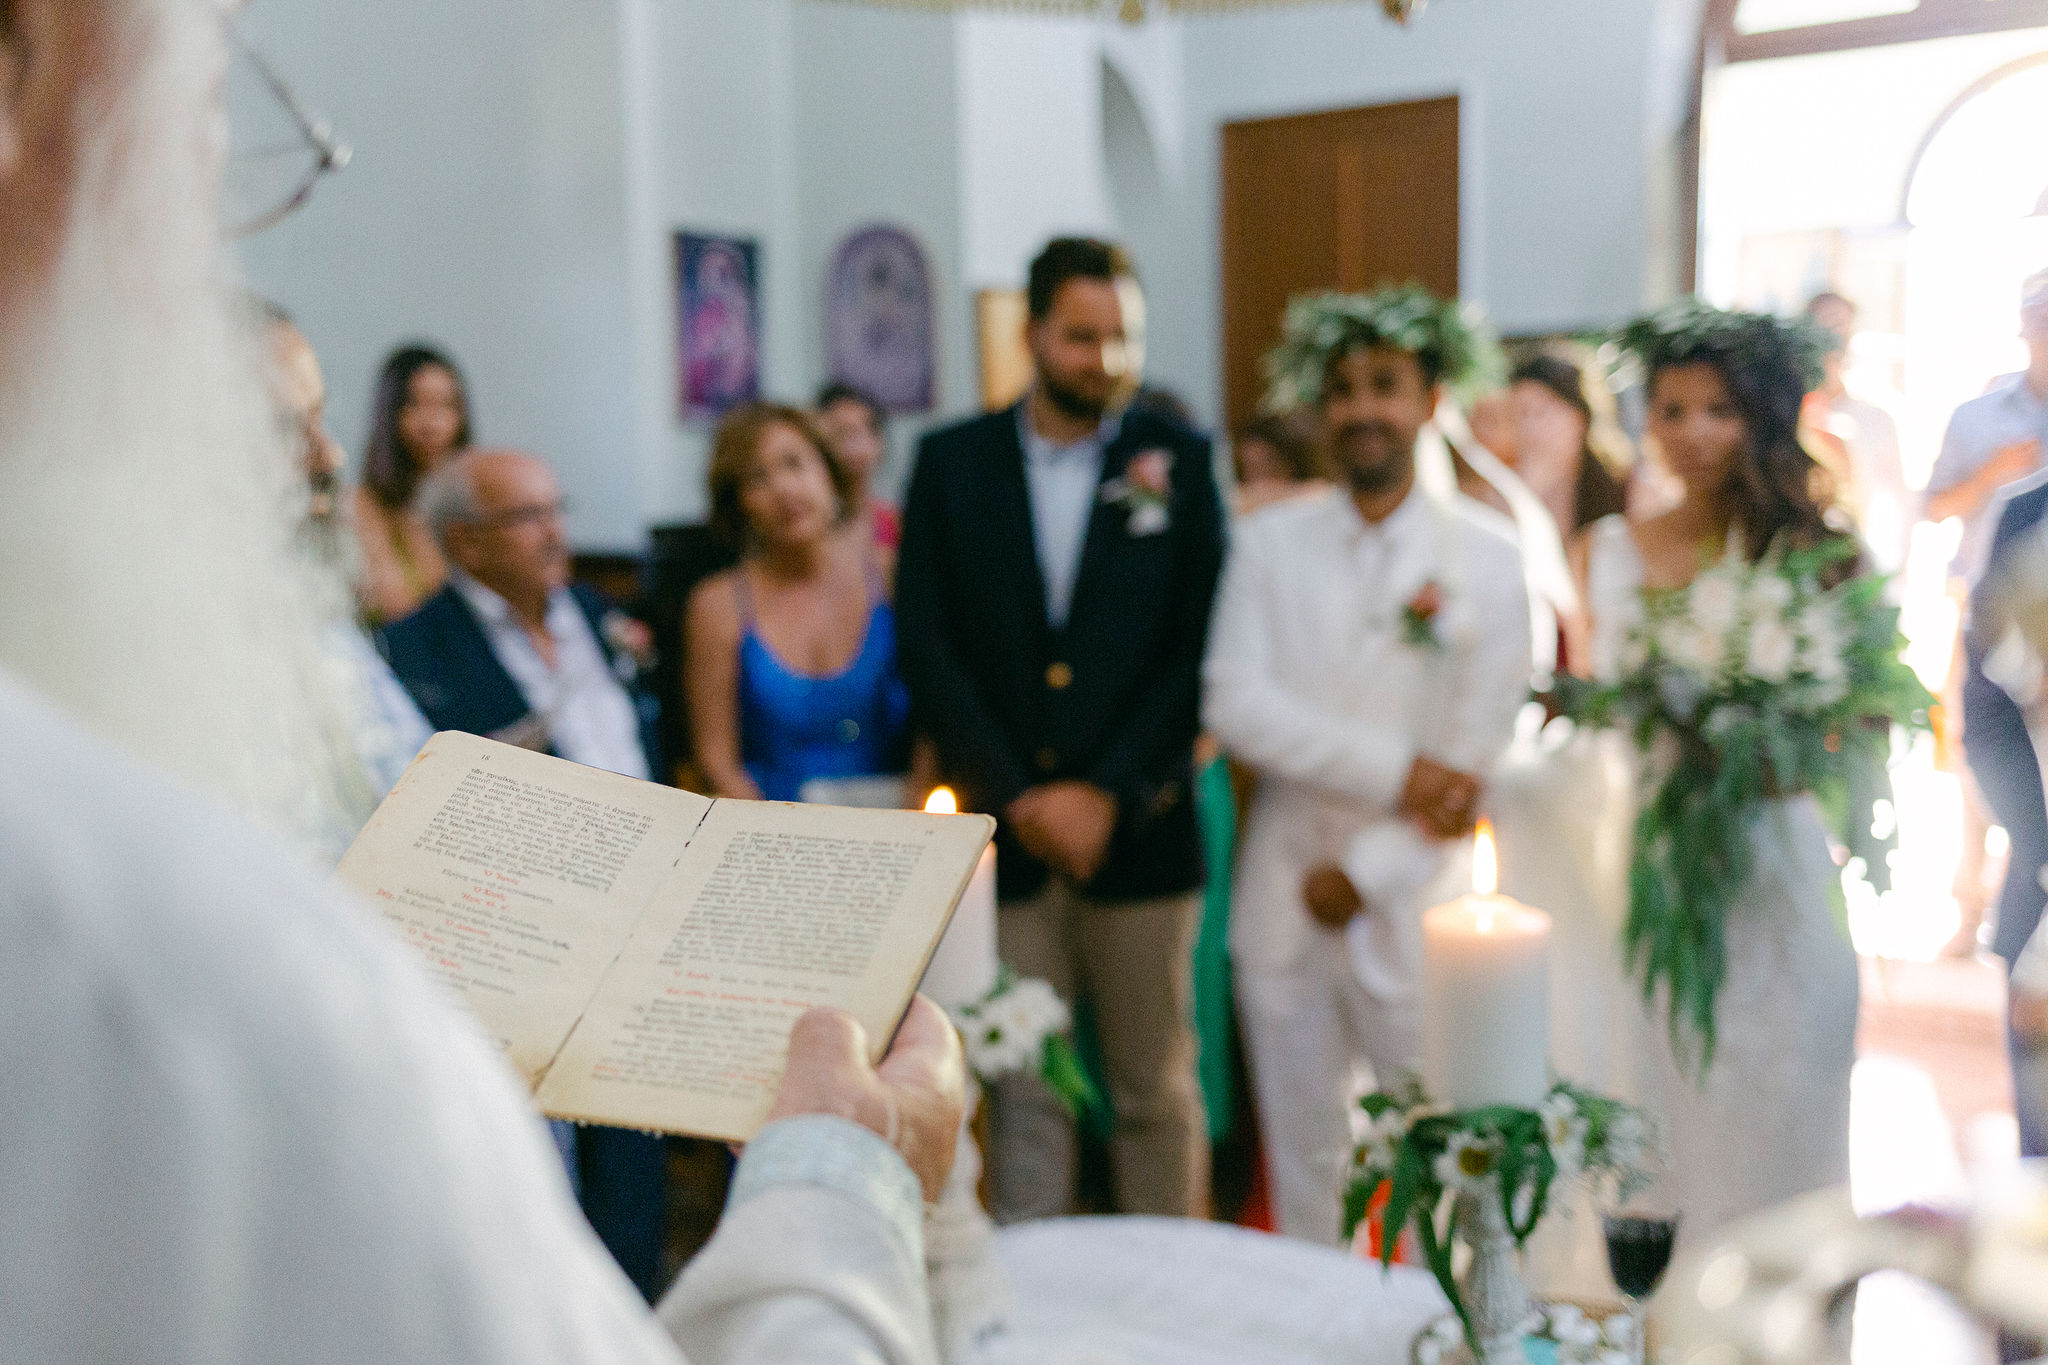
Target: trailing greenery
x=1754 y=682
x=1453 y=339
x=1425 y=1156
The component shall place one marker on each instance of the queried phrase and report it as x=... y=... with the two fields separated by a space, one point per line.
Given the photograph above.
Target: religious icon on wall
x=718 y=287
x=878 y=318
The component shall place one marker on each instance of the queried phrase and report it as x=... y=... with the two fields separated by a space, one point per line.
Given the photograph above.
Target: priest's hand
x=1066 y=825
x=914 y=1099
x=1330 y=896
x=1440 y=801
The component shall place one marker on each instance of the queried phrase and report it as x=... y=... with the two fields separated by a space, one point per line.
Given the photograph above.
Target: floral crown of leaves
x=1317 y=328
x=1773 y=349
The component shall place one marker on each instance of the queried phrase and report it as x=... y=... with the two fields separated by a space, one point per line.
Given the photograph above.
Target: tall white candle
x=1486 y=996
x=963 y=970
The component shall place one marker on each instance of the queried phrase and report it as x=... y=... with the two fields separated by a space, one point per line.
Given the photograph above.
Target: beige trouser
x=1133 y=961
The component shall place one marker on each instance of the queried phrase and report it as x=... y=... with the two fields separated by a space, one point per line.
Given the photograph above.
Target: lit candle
x=1486 y=995
x=963 y=970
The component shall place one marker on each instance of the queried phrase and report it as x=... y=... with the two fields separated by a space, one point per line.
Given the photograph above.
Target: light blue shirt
x=1983 y=426
x=1062 y=481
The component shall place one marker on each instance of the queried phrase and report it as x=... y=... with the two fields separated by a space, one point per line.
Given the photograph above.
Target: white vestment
x=241 y=1124
x=1313 y=681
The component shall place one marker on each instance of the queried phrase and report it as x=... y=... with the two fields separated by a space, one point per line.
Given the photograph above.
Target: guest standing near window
x=792 y=654
x=420 y=417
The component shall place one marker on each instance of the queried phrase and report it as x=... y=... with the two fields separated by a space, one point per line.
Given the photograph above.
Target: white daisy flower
x=1467 y=1163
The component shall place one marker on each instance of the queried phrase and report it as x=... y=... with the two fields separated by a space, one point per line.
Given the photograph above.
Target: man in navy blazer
x=509 y=648
x=1997 y=743
x=1053 y=594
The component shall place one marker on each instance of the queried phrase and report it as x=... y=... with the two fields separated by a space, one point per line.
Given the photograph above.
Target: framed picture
x=878 y=318
x=999 y=316
x=718 y=310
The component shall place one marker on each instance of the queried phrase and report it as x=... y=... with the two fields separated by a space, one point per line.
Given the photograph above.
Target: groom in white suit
x=1369 y=654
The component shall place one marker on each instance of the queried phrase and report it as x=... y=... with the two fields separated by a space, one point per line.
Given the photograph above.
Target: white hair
x=148 y=578
x=448 y=498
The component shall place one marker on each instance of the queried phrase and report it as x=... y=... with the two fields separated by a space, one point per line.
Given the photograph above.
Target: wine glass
x=1639 y=1241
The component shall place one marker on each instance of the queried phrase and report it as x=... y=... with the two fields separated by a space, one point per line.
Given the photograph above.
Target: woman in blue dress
x=790 y=658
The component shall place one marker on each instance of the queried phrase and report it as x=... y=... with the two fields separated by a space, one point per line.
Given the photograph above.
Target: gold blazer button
x=1059 y=677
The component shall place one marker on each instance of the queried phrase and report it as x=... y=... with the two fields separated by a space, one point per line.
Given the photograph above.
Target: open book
x=640 y=952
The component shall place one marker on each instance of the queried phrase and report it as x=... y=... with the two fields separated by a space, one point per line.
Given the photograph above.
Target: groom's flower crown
x=1453 y=339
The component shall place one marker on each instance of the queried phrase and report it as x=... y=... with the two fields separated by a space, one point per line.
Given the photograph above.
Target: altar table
x=1170 y=1291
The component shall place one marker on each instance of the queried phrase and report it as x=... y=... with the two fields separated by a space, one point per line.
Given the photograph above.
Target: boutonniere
x=1144 y=490
x=632 y=644
x=1418 y=616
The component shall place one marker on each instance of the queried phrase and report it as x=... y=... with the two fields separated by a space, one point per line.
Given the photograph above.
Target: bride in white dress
x=1770 y=1119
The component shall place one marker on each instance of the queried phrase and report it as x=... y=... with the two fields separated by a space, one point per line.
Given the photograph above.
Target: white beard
x=148 y=581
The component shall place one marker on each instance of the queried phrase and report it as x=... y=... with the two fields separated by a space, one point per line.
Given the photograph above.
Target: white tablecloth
x=1167 y=1291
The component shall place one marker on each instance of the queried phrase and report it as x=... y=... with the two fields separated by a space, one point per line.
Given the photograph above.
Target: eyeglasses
x=512 y=518
x=278 y=150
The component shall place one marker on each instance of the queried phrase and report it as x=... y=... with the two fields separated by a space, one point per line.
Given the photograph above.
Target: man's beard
x=149 y=580
x=1072 y=401
x=1371 y=457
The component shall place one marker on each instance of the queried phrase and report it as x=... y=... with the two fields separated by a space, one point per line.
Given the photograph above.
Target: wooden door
x=1350 y=199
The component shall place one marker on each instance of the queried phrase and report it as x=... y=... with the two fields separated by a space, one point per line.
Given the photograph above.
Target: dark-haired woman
x=1554 y=445
x=419 y=417
x=1770 y=1119
x=792 y=655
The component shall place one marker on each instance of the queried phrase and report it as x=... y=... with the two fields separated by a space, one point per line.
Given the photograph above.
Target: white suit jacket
x=1311 y=680
x=241 y=1124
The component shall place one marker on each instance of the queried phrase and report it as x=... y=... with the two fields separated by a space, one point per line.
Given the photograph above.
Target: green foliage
x=1060 y=1068
x=1318 y=328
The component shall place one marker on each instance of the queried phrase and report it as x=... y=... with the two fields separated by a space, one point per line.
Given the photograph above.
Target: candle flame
x=1485 y=861
x=942 y=802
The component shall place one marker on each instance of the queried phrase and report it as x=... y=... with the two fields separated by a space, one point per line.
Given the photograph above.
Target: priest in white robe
x=241 y=1124
x=1370 y=651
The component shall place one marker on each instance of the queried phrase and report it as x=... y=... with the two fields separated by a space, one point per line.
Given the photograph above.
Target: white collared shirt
x=1310 y=677
x=589 y=715
x=1061 y=481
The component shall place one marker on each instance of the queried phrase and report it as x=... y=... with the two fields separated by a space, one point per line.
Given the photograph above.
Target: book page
x=774 y=909
x=518 y=877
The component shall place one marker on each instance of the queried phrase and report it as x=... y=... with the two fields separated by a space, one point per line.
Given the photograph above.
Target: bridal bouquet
x=1754 y=682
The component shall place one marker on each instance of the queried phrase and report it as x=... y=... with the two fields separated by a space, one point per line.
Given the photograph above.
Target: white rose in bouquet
x=1773 y=649
x=1769 y=595
x=1692 y=645
x=1715 y=600
x=1820 y=650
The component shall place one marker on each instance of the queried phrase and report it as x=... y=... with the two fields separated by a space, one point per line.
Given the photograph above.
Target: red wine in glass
x=1638 y=1251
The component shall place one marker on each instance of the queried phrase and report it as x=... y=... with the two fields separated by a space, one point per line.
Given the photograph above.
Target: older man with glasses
x=241 y=1122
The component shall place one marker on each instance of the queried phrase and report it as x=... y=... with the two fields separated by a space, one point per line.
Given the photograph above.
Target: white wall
x=484 y=210
x=521 y=164
x=1031 y=147
x=726 y=162
x=1554 y=149
x=878 y=141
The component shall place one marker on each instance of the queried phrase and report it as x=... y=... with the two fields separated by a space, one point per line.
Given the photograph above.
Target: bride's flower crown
x=1778 y=353
x=1452 y=338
